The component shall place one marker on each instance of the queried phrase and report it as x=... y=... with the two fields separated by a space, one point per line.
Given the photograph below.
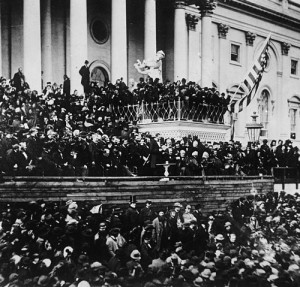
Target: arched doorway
x=99 y=75
x=99 y=72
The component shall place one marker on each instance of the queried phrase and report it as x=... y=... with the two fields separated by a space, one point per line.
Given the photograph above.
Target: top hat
x=132 y=199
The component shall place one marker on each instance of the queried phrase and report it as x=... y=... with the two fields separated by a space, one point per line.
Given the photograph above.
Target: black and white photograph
x=149 y=143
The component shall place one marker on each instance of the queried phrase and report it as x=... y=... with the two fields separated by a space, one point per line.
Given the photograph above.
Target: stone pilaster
x=223 y=30
x=250 y=38
x=285 y=47
x=191 y=21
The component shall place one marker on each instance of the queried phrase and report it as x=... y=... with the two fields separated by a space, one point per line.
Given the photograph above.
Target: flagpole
x=232 y=128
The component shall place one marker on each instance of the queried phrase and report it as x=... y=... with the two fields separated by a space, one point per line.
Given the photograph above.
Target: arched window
x=264 y=110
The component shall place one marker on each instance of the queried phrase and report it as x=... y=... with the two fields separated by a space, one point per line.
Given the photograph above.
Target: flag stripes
x=251 y=80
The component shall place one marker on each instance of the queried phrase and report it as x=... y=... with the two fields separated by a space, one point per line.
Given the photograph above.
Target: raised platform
x=213 y=193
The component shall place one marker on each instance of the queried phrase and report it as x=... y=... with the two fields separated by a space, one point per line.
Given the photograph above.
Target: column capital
x=191 y=21
x=180 y=4
x=222 y=30
x=285 y=47
x=250 y=38
x=206 y=7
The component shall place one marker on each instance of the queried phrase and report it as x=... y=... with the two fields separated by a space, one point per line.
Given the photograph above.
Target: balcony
x=179 y=118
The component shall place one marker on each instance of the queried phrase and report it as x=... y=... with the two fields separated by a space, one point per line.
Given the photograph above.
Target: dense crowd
x=59 y=133
x=123 y=151
x=254 y=242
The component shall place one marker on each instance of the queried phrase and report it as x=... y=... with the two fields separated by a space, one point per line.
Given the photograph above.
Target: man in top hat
x=147 y=212
x=85 y=76
x=131 y=218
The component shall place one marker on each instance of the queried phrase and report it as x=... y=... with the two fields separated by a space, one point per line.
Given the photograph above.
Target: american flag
x=251 y=81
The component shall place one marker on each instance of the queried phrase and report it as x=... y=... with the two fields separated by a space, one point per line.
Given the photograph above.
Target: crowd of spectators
x=57 y=133
x=254 y=242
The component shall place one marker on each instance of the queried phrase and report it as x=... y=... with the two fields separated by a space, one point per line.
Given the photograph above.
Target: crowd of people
x=254 y=242
x=123 y=151
x=57 y=133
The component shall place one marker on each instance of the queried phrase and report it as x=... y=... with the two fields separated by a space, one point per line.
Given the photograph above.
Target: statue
x=151 y=67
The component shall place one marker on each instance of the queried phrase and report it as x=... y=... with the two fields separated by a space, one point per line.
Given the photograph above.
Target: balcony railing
x=172 y=111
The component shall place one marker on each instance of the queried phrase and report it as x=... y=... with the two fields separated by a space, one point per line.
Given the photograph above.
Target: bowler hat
x=177 y=204
x=135 y=254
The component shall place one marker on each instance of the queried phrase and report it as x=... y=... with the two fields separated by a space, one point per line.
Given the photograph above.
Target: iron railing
x=171 y=111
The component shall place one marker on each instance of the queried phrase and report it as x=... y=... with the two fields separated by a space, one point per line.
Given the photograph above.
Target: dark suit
x=85 y=78
x=67 y=87
x=18 y=81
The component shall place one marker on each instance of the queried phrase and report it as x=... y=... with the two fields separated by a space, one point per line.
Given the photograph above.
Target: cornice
x=262 y=12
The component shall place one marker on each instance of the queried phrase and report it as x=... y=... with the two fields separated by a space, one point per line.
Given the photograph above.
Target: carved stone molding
x=250 y=38
x=191 y=21
x=180 y=4
x=223 y=30
x=285 y=47
x=206 y=7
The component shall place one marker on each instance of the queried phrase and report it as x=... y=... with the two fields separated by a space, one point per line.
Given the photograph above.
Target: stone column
x=206 y=43
x=180 y=42
x=78 y=41
x=223 y=56
x=150 y=29
x=193 y=47
x=118 y=40
x=46 y=42
x=32 y=43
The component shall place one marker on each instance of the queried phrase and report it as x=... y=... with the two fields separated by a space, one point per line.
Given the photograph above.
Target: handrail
x=172 y=110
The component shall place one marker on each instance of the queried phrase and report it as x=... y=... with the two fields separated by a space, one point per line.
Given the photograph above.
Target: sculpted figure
x=151 y=67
